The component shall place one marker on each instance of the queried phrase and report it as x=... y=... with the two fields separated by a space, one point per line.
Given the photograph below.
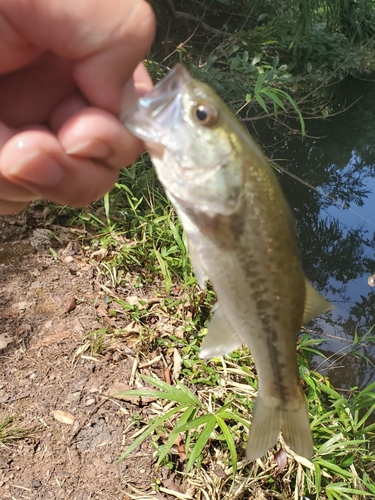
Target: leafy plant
x=341 y=427
x=197 y=428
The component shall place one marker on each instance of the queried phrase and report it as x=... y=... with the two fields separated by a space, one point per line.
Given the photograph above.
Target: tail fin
x=264 y=429
x=269 y=420
x=295 y=426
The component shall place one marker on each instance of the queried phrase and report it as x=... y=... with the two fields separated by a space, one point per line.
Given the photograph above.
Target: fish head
x=193 y=142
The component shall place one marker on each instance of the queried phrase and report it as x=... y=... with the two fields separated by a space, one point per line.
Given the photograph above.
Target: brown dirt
x=49 y=302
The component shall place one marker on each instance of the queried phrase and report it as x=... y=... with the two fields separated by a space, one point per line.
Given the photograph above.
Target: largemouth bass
x=241 y=236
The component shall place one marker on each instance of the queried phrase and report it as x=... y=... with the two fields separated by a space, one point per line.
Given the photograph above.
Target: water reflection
x=338 y=239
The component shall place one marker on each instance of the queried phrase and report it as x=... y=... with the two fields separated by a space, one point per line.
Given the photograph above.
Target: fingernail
x=37 y=168
x=90 y=149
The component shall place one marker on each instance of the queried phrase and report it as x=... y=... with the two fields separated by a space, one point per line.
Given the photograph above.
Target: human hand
x=66 y=69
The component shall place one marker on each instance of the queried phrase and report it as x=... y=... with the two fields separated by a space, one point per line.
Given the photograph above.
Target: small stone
x=22 y=305
x=36 y=284
x=98 y=463
x=73 y=396
x=90 y=402
x=36 y=483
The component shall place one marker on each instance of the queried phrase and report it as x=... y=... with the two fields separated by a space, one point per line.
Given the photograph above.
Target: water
x=338 y=239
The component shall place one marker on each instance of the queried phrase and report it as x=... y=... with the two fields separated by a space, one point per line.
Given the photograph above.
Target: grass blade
x=202 y=441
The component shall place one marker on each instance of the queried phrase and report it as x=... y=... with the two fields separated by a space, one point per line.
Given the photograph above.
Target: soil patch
x=52 y=383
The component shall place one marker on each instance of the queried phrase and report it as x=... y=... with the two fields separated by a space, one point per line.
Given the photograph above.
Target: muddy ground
x=52 y=383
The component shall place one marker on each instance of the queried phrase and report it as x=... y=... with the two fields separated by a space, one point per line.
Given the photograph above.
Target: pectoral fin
x=315 y=304
x=220 y=338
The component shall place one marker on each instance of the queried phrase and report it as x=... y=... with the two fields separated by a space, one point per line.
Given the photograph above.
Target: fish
x=242 y=237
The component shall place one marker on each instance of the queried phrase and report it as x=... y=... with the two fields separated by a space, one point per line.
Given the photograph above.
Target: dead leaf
x=140 y=302
x=132 y=327
x=171 y=485
x=101 y=311
x=132 y=341
x=151 y=362
x=167 y=376
x=177 y=364
x=51 y=339
x=281 y=460
x=63 y=417
x=189 y=490
x=219 y=471
x=179 y=333
x=71 y=304
x=99 y=254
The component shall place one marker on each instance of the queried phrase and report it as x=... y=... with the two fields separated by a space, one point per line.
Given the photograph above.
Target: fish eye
x=205 y=114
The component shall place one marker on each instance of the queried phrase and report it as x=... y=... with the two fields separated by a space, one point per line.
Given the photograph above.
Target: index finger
x=106 y=39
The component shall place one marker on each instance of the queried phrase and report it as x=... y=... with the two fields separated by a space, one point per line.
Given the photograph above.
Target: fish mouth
x=142 y=119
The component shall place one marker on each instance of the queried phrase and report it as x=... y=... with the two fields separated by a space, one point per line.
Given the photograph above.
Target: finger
x=93 y=133
x=8 y=191
x=5 y=133
x=142 y=80
x=15 y=194
x=15 y=51
x=106 y=40
x=10 y=207
x=28 y=96
x=35 y=161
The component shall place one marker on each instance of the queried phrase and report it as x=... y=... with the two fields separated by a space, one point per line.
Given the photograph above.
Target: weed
x=96 y=340
x=217 y=419
x=11 y=431
x=196 y=427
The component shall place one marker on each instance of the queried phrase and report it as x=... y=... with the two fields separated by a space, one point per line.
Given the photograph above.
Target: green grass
x=207 y=411
x=11 y=430
x=215 y=419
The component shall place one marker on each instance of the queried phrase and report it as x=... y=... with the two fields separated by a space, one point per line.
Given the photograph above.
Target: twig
x=190 y=17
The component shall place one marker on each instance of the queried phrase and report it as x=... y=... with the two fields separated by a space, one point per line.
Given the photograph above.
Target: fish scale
x=241 y=235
